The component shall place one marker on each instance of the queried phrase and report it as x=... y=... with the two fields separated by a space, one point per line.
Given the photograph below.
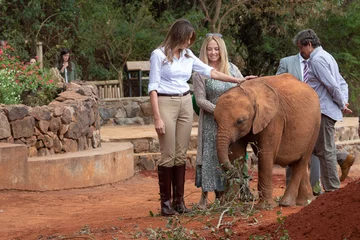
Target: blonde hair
x=178 y=34
x=224 y=60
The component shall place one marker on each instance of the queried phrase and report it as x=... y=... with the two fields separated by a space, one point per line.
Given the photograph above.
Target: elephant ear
x=266 y=104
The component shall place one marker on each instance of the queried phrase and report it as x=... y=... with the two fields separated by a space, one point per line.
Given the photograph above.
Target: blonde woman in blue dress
x=209 y=174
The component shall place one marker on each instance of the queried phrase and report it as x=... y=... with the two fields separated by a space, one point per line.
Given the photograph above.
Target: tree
x=263 y=30
x=214 y=8
x=339 y=34
x=25 y=22
x=111 y=34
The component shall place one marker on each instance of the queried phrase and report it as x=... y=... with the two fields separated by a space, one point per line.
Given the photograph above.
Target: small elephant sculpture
x=281 y=116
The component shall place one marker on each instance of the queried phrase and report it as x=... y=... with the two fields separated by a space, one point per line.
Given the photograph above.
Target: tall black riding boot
x=165 y=174
x=178 y=189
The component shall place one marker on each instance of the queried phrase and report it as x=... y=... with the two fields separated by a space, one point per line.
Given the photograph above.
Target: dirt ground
x=123 y=211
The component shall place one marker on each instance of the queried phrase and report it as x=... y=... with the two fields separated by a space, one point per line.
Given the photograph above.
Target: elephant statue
x=281 y=117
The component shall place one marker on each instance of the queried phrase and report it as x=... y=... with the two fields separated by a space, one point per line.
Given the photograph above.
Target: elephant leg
x=305 y=191
x=237 y=152
x=291 y=191
x=298 y=190
x=265 y=188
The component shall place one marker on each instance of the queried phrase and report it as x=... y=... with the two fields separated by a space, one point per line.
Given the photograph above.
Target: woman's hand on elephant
x=250 y=77
x=159 y=126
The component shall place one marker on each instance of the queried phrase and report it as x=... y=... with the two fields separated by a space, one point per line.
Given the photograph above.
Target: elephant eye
x=239 y=122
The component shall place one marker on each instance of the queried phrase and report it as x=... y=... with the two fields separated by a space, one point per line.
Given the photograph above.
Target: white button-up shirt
x=171 y=78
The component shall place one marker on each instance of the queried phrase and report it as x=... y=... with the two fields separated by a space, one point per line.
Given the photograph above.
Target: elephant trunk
x=222 y=147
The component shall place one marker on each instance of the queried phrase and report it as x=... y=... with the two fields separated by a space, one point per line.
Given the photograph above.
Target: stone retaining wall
x=127 y=111
x=70 y=123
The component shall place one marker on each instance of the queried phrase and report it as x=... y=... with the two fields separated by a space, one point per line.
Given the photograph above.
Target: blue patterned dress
x=209 y=174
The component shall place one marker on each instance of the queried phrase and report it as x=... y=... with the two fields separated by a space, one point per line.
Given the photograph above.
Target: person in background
x=171 y=66
x=324 y=77
x=66 y=67
x=32 y=61
x=209 y=174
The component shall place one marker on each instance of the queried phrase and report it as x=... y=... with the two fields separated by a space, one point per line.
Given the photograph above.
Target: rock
x=23 y=127
x=16 y=112
x=5 y=131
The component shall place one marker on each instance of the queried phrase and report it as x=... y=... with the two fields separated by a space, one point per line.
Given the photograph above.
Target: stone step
x=13 y=165
x=110 y=163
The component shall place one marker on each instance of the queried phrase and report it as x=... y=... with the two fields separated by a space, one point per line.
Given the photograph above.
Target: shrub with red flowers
x=22 y=82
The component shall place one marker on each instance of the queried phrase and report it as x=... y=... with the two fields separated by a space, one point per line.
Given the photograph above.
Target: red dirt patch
x=334 y=215
x=122 y=211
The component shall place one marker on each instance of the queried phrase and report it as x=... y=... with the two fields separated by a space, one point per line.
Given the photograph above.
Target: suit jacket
x=290 y=65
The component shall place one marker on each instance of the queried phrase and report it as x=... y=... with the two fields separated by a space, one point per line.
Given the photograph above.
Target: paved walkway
x=109 y=133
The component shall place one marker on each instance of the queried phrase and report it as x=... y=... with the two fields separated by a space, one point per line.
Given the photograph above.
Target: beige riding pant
x=177 y=114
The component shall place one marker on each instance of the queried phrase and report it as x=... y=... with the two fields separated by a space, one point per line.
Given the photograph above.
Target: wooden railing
x=108 y=88
x=136 y=73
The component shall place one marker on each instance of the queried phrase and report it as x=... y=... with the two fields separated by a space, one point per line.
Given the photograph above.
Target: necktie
x=306 y=71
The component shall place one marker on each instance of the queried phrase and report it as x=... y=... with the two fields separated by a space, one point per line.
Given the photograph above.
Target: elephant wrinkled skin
x=280 y=116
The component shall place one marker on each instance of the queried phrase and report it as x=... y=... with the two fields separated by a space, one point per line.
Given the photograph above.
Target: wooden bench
x=137 y=71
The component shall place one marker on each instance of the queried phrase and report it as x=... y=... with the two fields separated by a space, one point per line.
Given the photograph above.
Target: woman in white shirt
x=171 y=66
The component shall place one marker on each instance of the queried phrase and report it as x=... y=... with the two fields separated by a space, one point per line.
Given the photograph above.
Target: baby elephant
x=281 y=117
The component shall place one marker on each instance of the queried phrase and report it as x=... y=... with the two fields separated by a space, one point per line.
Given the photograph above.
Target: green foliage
x=339 y=34
x=110 y=35
x=26 y=22
x=280 y=232
x=317 y=188
x=23 y=83
x=174 y=230
x=103 y=35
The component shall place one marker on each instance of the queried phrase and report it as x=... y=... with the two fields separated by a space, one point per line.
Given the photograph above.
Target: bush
x=24 y=83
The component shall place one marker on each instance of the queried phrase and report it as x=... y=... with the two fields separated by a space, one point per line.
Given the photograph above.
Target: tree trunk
x=121 y=84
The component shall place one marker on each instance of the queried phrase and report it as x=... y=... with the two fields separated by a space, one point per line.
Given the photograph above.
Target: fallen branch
x=221 y=216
